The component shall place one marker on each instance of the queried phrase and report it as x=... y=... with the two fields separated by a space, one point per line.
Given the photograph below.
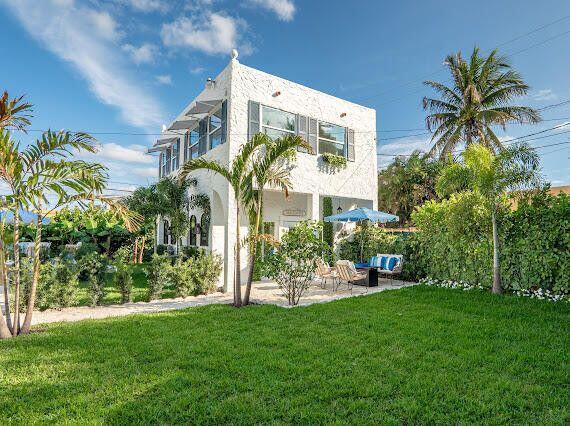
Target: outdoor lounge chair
x=388 y=265
x=348 y=274
x=325 y=272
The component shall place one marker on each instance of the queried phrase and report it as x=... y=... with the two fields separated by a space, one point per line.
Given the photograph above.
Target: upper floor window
x=331 y=139
x=163 y=168
x=193 y=137
x=277 y=123
x=215 y=128
x=175 y=155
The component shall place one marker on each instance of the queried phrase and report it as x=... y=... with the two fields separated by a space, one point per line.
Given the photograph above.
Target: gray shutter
x=160 y=165
x=203 y=136
x=313 y=138
x=350 y=149
x=302 y=128
x=168 y=158
x=224 y=121
x=253 y=114
x=177 y=159
x=186 y=143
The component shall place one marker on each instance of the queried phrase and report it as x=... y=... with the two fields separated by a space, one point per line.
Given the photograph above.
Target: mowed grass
x=416 y=355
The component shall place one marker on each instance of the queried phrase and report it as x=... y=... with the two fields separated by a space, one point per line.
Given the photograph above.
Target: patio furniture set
x=363 y=274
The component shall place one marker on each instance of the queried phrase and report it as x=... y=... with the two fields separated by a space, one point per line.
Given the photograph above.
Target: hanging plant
x=336 y=161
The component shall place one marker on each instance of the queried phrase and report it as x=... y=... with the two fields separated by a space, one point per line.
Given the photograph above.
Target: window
x=165 y=232
x=331 y=139
x=277 y=123
x=204 y=228
x=215 y=128
x=192 y=232
x=163 y=171
x=193 y=138
x=175 y=155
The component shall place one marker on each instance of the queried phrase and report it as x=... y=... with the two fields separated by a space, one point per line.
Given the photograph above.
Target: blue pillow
x=392 y=262
x=373 y=261
x=383 y=261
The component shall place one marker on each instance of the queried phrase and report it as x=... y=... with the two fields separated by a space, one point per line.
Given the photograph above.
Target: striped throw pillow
x=392 y=262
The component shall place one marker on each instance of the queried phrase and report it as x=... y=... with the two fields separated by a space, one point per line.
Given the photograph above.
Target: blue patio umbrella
x=360 y=215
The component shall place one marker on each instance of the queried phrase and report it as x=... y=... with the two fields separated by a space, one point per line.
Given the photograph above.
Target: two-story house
x=237 y=104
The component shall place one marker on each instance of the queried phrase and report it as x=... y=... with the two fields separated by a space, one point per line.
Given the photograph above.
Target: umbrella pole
x=361 y=241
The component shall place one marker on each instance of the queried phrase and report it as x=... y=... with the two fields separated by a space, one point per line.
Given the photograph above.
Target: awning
x=183 y=124
x=204 y=107
x=162 y=144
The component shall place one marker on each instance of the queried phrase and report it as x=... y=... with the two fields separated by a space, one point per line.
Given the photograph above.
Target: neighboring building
x=242 y=101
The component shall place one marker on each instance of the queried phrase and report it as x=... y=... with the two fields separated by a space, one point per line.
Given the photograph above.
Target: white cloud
x=402 y=146
x=197 y=70
x=128 y=154
x=144 y=54
x=164 y=79
x=545 y=95
x=146 y=172
x=212 y=33
x=86 y=39
x=284 y=9
x=148 y=5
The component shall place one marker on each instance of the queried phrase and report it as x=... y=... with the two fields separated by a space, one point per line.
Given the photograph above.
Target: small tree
x=514 y=169
x=158 y=275
x=293 y=265
x=123 y=273
x=94 y=265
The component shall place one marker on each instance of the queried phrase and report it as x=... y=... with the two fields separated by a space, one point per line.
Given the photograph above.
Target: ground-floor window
x=192 y=232
x=204 y=229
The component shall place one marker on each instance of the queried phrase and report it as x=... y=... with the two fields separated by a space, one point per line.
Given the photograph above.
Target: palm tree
x=14 y=113
x=269 y=168
x=478 y=99
x=515 y=168
x=236 y=175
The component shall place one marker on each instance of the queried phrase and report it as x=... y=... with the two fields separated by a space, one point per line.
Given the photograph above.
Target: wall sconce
x=339 y=210
x=198 y=230
x=276 y=94
x=342 y=115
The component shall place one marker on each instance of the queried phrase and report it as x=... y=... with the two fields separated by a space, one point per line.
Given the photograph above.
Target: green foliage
x=536 y=244
x=293 y=264
x=406 y=183
x=94 y=266
x=123 y=277
x=181 y=277
x=158 y=275
x=58 y=285
x=328 y=234
x=196 y=275
x=335 y=161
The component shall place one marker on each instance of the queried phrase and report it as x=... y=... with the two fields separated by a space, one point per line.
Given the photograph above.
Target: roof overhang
x=204 y=107
x=183 y=124
x=162 y=144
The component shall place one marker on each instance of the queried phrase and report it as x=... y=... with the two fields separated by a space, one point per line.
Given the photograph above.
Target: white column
x=314 y=199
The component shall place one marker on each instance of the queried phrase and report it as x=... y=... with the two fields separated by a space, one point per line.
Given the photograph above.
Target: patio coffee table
x=371 y=276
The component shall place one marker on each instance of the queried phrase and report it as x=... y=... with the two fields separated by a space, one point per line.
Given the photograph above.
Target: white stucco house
x=242 y=101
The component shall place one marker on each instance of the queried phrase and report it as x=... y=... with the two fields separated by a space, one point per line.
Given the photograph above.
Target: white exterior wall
x=355 y=185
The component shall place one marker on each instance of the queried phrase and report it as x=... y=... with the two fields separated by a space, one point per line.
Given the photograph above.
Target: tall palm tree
x=14 y=113
x=269 y=168
x=236 y=174
x=514 y=169
x=479 y=98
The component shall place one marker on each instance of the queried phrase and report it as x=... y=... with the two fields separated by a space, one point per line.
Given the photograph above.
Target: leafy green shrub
x=370 y=240
x=123 y=278
x=158 y=275
x=94 y=267
x=293 y=264
x=182 y=278
x=328 y=234
x=161 y=249
x=191 y=252
x=206 y=270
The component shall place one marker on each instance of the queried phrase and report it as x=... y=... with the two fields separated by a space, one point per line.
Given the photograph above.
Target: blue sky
x=127 y=66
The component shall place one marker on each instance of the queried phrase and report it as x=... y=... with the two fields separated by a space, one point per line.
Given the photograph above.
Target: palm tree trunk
x=141 y=249
x=136 y=250
x=237 y=276
x=497 y=289
x=36 y=275
x=16 y=325
x=253 y=253
x=5 y=328
x=155 y=234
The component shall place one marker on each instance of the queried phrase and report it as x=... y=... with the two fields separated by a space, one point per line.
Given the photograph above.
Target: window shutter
x=186 y=143
x=313 y=130
x=253 y=113
x=350 y=148
x=224 y=121
x=203 y=135
x=160 y=165
x=302 y=131
x=177 y=158
x=168 y=158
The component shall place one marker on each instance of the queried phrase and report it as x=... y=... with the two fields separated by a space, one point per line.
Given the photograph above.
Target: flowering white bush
x=533 y=294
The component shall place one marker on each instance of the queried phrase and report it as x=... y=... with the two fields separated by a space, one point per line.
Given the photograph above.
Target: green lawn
x=416 y=355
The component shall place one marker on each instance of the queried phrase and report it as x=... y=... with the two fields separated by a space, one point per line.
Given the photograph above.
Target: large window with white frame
x=193 y=137
x=175 y=158
x=163 y=168
x=332 y=139
x=277 y=123
x=215 y=128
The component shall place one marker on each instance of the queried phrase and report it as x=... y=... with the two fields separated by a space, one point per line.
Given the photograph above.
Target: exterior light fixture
x=339 y=210
x=342 y=115
x=276 y=94
x=198 y=229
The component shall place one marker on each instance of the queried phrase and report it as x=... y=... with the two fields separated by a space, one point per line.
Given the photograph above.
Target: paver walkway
x=263 y=292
